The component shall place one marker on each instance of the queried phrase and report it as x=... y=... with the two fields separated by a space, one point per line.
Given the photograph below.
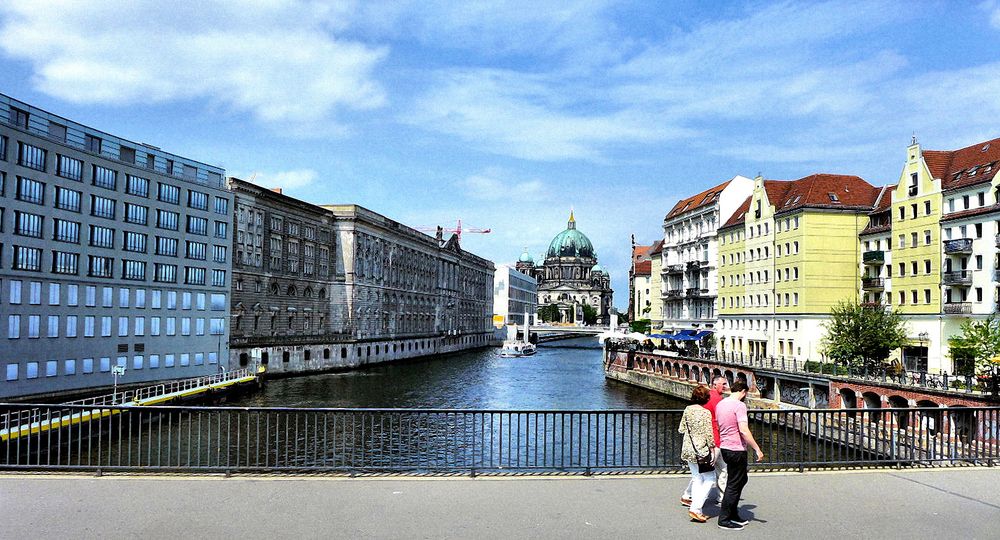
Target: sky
x=508 y=114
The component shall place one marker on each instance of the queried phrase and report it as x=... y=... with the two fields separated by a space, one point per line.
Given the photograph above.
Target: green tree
x=862 y=335
x=549 y=313
x=589 y=314
x=642 y=325
x=977 y=351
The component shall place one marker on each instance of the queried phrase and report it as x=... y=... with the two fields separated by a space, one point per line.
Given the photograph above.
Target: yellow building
x=656 y=285
x=786 y=258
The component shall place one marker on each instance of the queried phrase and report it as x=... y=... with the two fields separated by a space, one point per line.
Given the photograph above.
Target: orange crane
x=457 y=230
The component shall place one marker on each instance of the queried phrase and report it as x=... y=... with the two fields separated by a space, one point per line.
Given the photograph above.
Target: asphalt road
x=937 y=504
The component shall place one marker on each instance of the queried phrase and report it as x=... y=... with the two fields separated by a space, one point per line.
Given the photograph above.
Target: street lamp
x=116 y=371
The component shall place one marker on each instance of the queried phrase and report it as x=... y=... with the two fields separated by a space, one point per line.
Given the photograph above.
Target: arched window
x=291 y=290
x=274 y=288
x=322 y=293
x=308 y=293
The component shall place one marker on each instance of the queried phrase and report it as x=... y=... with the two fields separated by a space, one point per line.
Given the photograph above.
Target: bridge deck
x=33 y=424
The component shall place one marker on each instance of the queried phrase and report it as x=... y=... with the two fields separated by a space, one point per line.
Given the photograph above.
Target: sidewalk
x=934 y=504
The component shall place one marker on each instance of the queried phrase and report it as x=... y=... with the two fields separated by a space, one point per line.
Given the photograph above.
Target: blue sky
x=506 y=114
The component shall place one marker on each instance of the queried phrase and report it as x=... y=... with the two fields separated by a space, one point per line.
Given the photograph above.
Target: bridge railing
x=247 y=440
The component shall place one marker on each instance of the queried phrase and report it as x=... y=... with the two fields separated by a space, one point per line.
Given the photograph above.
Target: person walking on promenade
x=735 y=436
x=698 y=450
x=719 y=385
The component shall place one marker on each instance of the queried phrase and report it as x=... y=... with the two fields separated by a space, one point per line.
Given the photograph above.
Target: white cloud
x=291 y=179
x=531 y=117
x=992 y=8
x=494 y=185
x=276 y=59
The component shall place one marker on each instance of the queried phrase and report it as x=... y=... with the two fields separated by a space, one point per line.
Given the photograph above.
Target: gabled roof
x=706 y=197
x=775 y=190
x=967 y=166
x=656 y=248
x=884 y=201
x=821 y=190
x=640 y=253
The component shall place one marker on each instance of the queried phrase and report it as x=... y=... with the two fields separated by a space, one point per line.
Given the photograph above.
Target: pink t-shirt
x=729 y=413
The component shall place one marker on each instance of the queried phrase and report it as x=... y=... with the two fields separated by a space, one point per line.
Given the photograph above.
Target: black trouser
x=736 y=468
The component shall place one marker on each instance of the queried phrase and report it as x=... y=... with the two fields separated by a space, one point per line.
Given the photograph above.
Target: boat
x=513 y=348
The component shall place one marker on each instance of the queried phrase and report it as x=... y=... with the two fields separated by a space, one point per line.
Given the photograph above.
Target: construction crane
x=457 y=230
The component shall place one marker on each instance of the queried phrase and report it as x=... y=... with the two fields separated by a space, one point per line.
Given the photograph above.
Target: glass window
x=13 y=326
x=66 y=263
x=197 y=200
x=169 y=194
x=88 y=365
x=102 y=207
x=71 y=321
x=27 y=258
x=221 y=206
x=70 y=168
x=134 y=242
x=105 y=178
x=136 y=185
x=101 y=267
x=133 y=270
x=26 y=224
x=154 y=361
x=135 y=213
x=12 y=372
x=165 y=273
x=68 y=199
x=29 y=190
x=32 y=370
x=168 y=220
x=197 y=225
x=105 y=364
x=102 y=236
x=31 y=156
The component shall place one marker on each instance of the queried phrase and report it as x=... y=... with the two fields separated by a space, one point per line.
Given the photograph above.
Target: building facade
x=641 y=302
x=514 y=295
x=283 y=279
x=786 y=257
x=656 y=286
x=112 y=253
x=690 y=253
x=570 y=277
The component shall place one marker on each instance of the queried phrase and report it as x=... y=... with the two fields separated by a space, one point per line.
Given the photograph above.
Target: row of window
x=69 y=294
x=758 y=324
x=103 y=365
x=760 y=300
x=761 y=229
x=30 y=326
x=33 y=191
x=68 y=263
x=790 y=273
x=33 y=157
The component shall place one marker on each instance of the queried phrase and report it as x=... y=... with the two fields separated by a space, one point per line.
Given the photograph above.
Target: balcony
x=959 y=277
x=960 y=246
x=675 y=268
x=694 y=265
x=873 y=257
x=673 y=293
x=870 y=284
x=958 y=308
x=696 y=292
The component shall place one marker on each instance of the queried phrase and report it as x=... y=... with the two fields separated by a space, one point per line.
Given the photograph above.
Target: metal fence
x=236 y=440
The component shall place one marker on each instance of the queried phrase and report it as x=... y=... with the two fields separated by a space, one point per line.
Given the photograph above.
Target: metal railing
x=235 y=440
x=29 y=416
x=960 y=245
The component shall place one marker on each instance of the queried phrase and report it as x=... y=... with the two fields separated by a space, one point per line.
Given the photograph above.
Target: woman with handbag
x=698 y=450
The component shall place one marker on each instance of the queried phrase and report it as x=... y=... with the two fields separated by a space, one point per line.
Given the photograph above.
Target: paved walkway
x=936 y=504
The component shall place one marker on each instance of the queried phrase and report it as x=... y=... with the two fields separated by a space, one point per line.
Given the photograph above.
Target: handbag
x=704 y=462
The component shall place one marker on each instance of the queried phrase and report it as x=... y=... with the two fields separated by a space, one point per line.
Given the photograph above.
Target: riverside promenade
x=911 y=504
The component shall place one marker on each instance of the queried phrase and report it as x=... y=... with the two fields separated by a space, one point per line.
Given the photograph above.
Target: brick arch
x=902 y=418
x=930 y=421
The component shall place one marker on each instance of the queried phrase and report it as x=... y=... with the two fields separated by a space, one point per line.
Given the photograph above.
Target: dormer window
x=833 y=198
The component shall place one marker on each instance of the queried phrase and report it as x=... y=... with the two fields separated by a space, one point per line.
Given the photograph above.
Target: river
x=563 y=375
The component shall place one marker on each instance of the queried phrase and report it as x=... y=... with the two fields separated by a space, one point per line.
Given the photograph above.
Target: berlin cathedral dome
x=570 y=278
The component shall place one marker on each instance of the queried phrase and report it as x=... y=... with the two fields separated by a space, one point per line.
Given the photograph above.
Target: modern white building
x=690 y=251
x=514 y=294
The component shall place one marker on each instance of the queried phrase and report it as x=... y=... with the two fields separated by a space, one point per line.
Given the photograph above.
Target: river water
x=565 y=375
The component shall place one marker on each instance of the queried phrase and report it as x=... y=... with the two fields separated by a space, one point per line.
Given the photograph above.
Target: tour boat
x=516 y=348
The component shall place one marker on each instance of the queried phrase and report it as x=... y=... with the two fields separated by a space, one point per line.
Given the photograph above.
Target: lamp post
x=116 y=371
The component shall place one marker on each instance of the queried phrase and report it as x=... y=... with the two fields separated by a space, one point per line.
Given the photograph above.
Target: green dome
x=571 y=243
x=525 y=257
x=597 y=269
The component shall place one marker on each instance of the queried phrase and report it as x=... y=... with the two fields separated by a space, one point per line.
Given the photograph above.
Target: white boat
x=515 y=348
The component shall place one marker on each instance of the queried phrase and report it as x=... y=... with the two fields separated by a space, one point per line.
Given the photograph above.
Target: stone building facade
x=283 y=277
x=112 y=253
x=333 y=287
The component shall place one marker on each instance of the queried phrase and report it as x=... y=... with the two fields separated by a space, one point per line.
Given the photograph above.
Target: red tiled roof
x=775 y=189
x=697 y=201
x=656 y=248
x=814 y=191
x=885 y=199
x=643 y=268
x=641 y=253
x=967 y=166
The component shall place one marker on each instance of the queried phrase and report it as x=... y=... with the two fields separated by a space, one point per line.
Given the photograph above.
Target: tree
x=642 y=325
x=977 y=350
x=549 y=313
x=863 y=335
x=589 y=314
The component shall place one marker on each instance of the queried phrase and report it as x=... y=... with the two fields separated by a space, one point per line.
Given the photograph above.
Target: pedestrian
x=719 y=386
x=698 y=450
x=735 y=436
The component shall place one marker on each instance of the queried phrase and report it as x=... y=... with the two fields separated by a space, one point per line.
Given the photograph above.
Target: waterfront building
x=640 y=255
x=786 y=257
x=689 y=273
x=283 y=279
x=876 y=252
x=943 y=235
x=656 y=286
x=514 y=294
x=570 y=277
x=641 y=304
x=112 y=253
